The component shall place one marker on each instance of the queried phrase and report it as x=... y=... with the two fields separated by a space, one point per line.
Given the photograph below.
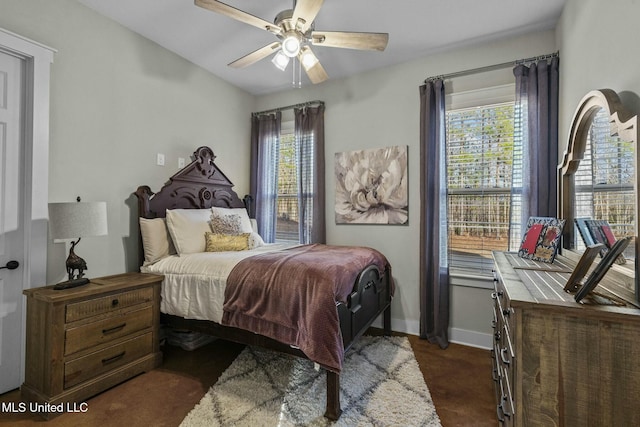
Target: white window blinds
x=287 y=228
x=480 y=151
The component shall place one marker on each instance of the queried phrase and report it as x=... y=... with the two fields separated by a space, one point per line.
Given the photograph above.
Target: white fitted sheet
x=194 y=284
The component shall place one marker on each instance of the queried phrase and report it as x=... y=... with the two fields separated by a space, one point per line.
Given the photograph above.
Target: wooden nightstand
x=83 y=340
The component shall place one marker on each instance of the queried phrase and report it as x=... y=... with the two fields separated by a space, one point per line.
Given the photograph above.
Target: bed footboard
x=371 y=297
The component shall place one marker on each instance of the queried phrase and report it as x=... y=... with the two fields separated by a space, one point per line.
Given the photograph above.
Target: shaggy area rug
x=380 y=385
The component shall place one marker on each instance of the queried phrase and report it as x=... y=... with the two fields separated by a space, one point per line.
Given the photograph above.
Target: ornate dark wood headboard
x=199 y=185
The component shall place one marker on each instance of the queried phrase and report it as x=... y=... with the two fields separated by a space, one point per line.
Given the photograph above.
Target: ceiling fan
x=295 y=31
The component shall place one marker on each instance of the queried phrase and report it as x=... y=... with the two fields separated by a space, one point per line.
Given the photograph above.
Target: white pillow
x=245 y=222
x=254 y=224
x=156 y=241
x=187 y=228
x=255 y=241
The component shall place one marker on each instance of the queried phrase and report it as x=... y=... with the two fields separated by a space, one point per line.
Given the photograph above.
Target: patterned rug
x=380 y=385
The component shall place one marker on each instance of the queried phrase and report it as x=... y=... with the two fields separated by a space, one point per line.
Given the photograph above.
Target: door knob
x=11 y=265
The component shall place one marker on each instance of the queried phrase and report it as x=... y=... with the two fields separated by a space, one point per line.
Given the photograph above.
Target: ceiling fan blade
x=238 y=15
x=255 y=56
x=350 y=40
x=316 y=74
x=305 y=11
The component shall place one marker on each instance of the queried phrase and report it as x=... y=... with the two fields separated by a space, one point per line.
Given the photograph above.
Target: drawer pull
x=500 y=413
x=506 y=312
x=114 y=329
x=114 y=302
x=113 y=358
x=495 y=295
x=502 y=356
x=505 y=413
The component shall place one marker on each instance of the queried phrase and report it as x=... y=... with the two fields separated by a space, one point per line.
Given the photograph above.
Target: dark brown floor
x=459 y=379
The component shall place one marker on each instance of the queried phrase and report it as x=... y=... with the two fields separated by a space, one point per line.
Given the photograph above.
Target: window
x=480 y=157
x=287 y=219
x=288 y=177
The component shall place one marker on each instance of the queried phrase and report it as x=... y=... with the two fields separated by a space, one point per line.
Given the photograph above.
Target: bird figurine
x=74 y=262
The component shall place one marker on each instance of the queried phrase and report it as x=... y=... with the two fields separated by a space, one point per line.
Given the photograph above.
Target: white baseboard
x=456 y=335
x=411 y=327
x=471 y=338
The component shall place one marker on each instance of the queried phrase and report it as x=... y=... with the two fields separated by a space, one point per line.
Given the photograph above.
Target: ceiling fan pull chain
x=296 y=82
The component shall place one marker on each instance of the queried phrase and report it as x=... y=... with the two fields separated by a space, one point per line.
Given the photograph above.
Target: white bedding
x=194 y=284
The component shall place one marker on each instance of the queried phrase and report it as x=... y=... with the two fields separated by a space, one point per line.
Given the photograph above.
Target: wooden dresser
x=83 y=340
x=557 y=362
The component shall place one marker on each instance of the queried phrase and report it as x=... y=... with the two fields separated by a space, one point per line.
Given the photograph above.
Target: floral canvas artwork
x=371 y=186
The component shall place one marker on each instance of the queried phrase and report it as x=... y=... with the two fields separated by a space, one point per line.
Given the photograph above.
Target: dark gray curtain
x=434 y=269
x=309 y=134
x=265 y=136
x=537 y=88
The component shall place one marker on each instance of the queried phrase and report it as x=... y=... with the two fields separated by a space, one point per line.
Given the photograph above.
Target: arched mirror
x=598 y=185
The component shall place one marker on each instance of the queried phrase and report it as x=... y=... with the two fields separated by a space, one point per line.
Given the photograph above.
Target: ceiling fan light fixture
x=307 y=58
x=291 y=46
x=280 y=60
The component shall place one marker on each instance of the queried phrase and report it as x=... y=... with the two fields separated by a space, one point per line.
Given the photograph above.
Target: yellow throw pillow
x=226 y=242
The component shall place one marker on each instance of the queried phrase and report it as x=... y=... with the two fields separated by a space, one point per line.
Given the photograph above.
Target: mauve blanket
x=290 y=295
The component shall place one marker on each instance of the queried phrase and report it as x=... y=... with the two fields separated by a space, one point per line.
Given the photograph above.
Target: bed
x=338 y=292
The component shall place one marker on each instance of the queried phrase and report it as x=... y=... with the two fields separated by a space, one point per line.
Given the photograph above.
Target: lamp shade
x=77 y=219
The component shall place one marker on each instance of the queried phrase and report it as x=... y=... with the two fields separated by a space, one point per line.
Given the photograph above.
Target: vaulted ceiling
x=416 y=28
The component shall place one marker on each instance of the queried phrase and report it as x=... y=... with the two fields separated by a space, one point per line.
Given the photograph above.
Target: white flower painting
x=371 y=186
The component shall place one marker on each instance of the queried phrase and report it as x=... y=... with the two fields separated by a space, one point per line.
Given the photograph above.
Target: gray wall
x=118 y=99
x=598 y=42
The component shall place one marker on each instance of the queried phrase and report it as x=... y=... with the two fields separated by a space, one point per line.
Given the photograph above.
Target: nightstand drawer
x=94 y=364
x=97 y=306
x=106 y=330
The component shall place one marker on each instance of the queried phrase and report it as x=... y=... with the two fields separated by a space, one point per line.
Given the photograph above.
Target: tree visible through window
x=480 y=156
x=287 y=221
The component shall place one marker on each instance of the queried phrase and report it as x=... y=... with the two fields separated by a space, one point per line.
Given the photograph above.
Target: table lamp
x=74 y=220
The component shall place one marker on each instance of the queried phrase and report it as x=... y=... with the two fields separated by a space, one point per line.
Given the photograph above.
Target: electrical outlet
x=180 y=162
x=160 y=159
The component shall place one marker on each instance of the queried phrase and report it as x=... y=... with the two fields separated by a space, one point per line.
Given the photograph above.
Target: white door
x=11 y=220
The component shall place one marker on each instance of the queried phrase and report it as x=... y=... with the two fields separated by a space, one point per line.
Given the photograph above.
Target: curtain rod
x=288 y=107
x=492 y=67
